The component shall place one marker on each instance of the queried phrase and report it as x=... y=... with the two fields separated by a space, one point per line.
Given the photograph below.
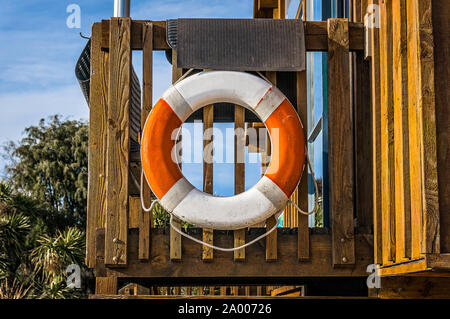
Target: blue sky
x=39 y=53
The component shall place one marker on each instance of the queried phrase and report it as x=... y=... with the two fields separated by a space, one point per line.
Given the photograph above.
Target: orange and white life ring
x=178 y=195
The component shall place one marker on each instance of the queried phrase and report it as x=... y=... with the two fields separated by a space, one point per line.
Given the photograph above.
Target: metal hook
x=84 y=37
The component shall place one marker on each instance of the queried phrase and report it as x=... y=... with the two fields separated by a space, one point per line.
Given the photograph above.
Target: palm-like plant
x=13 y=291
x=53 y=254
x=14 y=228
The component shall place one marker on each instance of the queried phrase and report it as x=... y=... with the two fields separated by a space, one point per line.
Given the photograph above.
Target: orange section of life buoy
x=288 y=156
x=157 y=144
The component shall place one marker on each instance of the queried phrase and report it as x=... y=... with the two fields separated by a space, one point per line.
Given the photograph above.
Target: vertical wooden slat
x=271 y=239
x=401 y=165
x=387 y=135
x=239 y=172
x=362 y=129
x=175 y=237
x=106 y=285
x=340 y=130
x=376 y=132
x=134 y=211
x=441 y=37
x=118 y=142
x=430 y=205
x=259 y=290
x=302 y=193
x=415 y=173
x=208 y=121
x=145 y=218
x=96 y=202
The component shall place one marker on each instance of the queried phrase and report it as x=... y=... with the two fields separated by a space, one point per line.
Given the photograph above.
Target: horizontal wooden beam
x=316 y=35
x=267 y=4
x=398 y=287
x=403 y=268
x=223 y=265
x=438 y=261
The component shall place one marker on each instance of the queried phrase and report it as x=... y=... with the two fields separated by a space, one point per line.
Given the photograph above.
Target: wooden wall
x=409 y=91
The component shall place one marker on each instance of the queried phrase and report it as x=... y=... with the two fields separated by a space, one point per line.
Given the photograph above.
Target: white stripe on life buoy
x=234 y=212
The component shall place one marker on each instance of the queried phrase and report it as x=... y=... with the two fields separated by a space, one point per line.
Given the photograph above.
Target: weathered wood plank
x=401 y=152
x=105 y=285
x=414 y=287
x=239 y=173
x=208 y=121
x=271 y=239
x=363 y=130
x=427 y=115
x=134 y=212
x=175 y=237
x=441 y=34
x=363 y=149
x=118 y=143
x=415 y=171
x=267 y=4
x=340 y=147
x=302 y=190
x=376 y=139
x=146 y=218
x=223 y=265
x=387 y=135
x=438 y=261
x=96 y=202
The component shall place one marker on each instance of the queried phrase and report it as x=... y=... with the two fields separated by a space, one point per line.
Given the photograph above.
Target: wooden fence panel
x=340 y=147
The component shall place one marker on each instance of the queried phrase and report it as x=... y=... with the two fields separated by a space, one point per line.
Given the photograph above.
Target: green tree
x=32 y=261
x=50 y=164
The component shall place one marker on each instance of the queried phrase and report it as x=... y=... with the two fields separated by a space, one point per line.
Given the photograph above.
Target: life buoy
x=178 y=195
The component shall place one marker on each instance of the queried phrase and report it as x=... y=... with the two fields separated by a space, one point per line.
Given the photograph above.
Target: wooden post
x=387 y=135
x=118 y=142
x=376 y=138
x=98 y=108
x=302 y=193
x=239 y=173
x=175 y=237
x=401 y=140
x=340 y=130
x=208 y=121
x=362 y=129
x=271 y=239
x=146 y=218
